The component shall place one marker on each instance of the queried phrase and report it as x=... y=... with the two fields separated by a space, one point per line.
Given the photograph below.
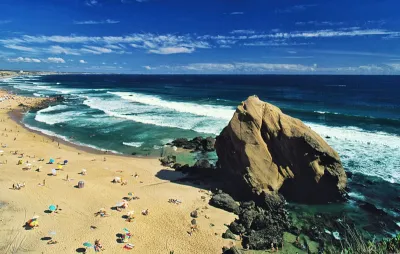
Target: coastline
x=163 y=230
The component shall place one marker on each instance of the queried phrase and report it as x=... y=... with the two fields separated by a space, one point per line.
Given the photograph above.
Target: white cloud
x=148 y=67
x=242 y=32
x=319 y=23
x=55 y=60
x=171 y=50
x=91 y=2
x=240 y=67
x=62 y=50
x=2 y=22
x=21 y=48
x=92 y=22
x=24 y=60
x=237 y=13
x=83 y=61
x=96 y=50
x=296 y=8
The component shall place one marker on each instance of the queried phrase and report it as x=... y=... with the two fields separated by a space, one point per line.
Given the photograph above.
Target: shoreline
x=17 y=116
x=163 y=230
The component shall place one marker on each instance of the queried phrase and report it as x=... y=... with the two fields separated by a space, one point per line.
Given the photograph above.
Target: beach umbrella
x=87 y=244
x=130 y=213
x=54 y=171
x=52 y=208
x=119 y=204
x=65 y=162
x=35 y=217
x=60 y=167
x=51 y=160
x=125 y=230
x=33 y=223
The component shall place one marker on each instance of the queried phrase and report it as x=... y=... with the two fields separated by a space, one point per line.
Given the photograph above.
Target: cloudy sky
x=207 y=36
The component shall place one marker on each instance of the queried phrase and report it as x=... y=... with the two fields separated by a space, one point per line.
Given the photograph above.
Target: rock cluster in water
x=260 y=225
x=271 y=152
x=197 y=144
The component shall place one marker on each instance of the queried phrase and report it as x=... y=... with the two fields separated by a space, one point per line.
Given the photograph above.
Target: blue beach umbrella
x=87 y=244
x=65 y=162
x=52 y=208
x=51 y=161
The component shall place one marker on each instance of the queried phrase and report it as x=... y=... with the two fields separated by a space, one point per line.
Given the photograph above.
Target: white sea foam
x=369 y=153
x=53 y=134
x=215 y=111
x=357 y=196
x=154 y=115
x=45 y=115
x=134 y=144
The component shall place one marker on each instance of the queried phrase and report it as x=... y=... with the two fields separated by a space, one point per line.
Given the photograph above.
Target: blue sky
x=208 y=36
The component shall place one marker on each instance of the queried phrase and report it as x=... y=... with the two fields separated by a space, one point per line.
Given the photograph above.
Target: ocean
x=359 y=116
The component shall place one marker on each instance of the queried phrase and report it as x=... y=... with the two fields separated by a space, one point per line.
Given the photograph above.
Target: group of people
x=18 y=186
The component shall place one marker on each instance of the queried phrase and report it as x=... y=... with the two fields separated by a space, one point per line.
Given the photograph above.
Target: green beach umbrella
x=125 y=230
x=52 y=208
x=130 y=194
x=51 y=160
x=87 y=244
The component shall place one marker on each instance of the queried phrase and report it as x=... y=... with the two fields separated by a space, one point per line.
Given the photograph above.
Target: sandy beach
x=164 y=229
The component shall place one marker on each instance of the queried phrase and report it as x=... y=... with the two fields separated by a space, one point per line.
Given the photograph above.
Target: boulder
x=225 y=202
x=197 y=144
x=270 y=152
x=233 y=250
x=261 y=225
x=203 y=164
x=194 y=214
x=168 y=161
x=228 y=235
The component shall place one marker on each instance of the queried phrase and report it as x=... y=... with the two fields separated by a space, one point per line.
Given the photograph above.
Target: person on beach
x=98 y=246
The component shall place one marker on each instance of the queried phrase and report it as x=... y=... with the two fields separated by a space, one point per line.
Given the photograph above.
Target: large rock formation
x=272 y=152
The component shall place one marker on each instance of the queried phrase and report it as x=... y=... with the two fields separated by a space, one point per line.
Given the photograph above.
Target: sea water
x=359 y=116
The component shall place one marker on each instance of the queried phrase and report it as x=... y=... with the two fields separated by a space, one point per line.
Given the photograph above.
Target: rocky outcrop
x=263 y=224
x=225 y=202
x=197 y=144
x=272 y=152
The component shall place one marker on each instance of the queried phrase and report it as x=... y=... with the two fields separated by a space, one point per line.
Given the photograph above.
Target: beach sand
x=163 y=230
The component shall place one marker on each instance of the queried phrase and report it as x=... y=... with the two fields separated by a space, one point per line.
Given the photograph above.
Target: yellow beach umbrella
x=60 y=167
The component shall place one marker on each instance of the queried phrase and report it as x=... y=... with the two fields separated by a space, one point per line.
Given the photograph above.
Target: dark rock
x=237 y=228
x=202 y=164
x=233 y=250
x=168 y=161
x=194 y=214
x=208 y=144
x=262 y=224
x=372 y=209
x=228 y=235
x=248 y=205
x=193 y=222
x=196 y=144
x=225 y=202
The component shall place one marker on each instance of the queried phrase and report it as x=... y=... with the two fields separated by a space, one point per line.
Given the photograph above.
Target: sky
x=201 y=37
